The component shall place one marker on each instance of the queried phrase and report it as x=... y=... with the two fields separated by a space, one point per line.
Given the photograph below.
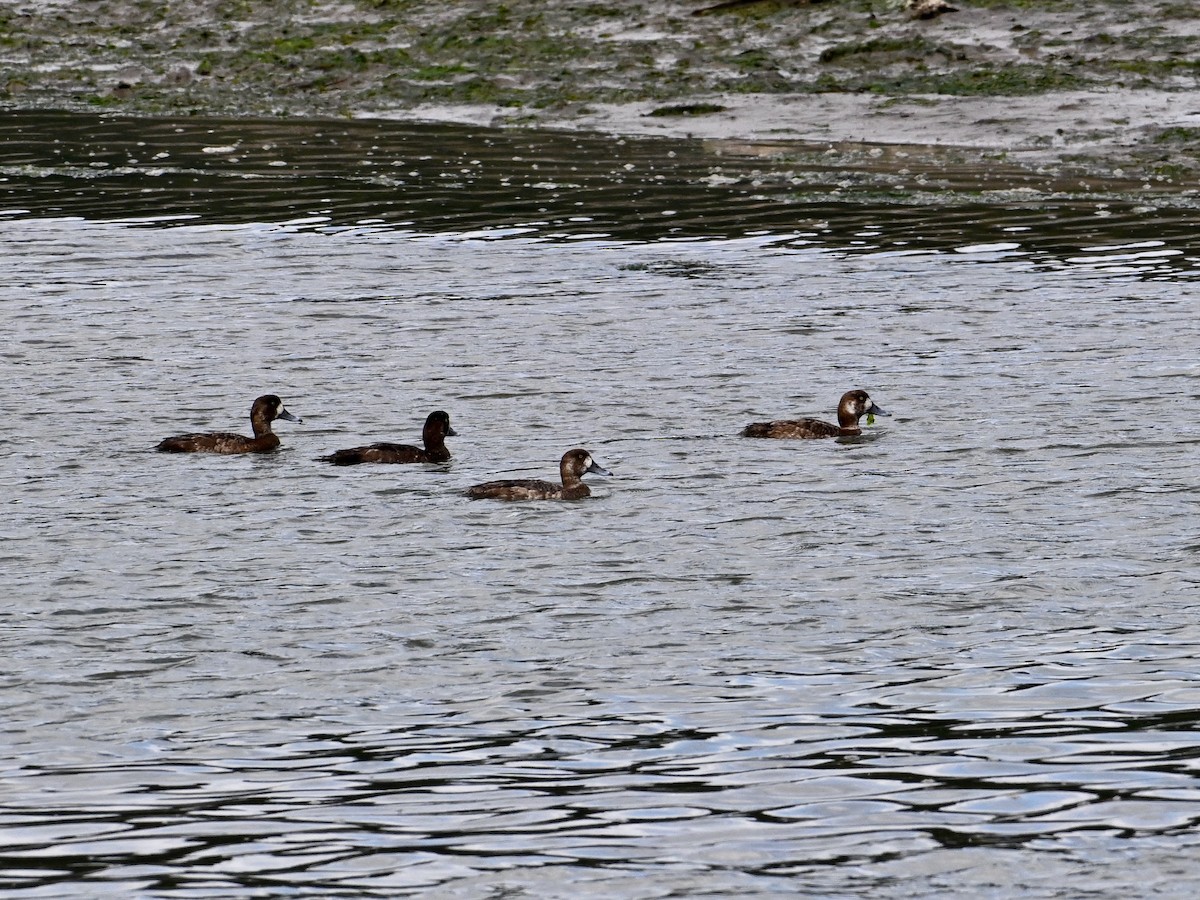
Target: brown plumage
x=853 y=406
x=266 y=409
x=433 y=435
x=574 y=465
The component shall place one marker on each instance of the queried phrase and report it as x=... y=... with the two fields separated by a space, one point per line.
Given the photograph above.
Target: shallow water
x=954 y=657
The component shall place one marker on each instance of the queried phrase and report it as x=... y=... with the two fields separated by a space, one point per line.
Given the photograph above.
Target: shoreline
x=1107 y=135
x=1098 y=90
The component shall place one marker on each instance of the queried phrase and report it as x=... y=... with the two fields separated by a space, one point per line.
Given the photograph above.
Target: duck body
x=265 y=410
x=853 y=406
x=573 y=466
x=433 y=436
x=805 y=429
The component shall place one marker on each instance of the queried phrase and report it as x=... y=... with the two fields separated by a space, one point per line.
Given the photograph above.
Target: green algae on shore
x=554 y=64
x=302 y=57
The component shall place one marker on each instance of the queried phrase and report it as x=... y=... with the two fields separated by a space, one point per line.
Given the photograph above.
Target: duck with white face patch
x=573 y=466
x=265 y=410
x=852 y=407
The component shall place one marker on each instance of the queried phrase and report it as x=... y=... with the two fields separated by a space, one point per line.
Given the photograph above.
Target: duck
x=852 y=407
x=433 y=435
x=573 y=466
x=265 y=410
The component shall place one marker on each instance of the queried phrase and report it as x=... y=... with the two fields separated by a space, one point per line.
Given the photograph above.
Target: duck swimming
x=265 y=410
x=433 y=435
x=853 y=406
x=574 y=465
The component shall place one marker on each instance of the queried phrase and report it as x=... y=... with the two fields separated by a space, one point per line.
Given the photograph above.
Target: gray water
x=955 y=657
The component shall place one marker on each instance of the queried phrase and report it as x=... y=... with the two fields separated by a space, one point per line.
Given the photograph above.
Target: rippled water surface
x=955 y=657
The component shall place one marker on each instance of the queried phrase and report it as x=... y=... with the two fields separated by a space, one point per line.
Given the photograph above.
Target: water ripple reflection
x=818 y=769
x=363 y=176
x=954 y=657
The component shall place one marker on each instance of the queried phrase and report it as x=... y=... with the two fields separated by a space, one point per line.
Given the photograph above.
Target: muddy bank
x=1097 y=89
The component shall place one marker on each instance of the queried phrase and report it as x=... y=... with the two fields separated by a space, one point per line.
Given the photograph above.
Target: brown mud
x=1075 y=95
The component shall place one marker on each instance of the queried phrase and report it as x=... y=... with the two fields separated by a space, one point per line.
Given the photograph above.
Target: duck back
x=223 y=442
x=526 y=489
x=384 y=453
x=792 y=428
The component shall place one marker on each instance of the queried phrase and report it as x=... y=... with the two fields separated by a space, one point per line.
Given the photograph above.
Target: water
x=954 y=657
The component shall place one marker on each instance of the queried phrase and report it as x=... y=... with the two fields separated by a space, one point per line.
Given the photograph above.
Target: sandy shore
x=1099 y=87
x=1109 y=126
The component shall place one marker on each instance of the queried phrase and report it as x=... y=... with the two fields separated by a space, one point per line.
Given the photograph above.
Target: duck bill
x=284 y=414
x=597 y=469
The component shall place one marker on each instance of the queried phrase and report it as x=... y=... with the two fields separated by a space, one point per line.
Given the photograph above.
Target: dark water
x=955 y=657
x=331 y=176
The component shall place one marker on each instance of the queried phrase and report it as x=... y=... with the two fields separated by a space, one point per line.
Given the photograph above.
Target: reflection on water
x=337 y=175
x=955 y=657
